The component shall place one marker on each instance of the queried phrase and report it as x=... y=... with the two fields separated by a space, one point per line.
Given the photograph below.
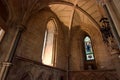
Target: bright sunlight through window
x=48 y=47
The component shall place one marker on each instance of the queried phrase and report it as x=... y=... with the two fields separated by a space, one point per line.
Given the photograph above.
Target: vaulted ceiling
x=70 y=12
x=76 y=12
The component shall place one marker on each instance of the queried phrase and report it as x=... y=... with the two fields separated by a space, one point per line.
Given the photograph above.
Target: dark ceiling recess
x=3 y=11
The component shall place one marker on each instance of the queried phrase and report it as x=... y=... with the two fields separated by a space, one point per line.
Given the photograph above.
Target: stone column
x=114 y=22
x=112 y=10
x=114 y=25
x=11 y=53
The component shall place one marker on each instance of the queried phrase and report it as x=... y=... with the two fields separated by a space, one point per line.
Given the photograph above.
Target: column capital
x=101 y=2
x=21 y=27
x=6 y=63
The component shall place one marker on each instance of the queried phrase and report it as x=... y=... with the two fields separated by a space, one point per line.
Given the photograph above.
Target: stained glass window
x=48 y=47
x=88 y=49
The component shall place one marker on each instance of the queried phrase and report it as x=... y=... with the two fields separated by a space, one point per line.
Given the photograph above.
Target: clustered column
x=8 y=60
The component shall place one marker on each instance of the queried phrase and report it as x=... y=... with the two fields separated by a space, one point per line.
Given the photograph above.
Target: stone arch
x=77 y=44
x=69 y=4
x=50 y=43
x=39 y=8
x=78 y=8
x=27 y=76
x=108 y=76
x=41 y=76
x=41 y=18
x=99 y=48
x=36 y=4
x=34 y=25
x=45 y=76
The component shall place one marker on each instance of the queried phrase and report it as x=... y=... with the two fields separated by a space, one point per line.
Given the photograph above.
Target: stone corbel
x=21 y=27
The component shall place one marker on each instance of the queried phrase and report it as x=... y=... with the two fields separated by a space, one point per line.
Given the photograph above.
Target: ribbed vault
x=86 y=11
x=90 y=14
x=91 y=7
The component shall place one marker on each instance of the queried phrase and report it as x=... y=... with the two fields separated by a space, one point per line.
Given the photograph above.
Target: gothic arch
x=50 y=43
x=27 y=17
x=41 y=76
x=27 y=76
x=78 y=8
x=100 y=50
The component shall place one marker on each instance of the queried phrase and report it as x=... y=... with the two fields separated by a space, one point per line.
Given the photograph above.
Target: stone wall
x=94 y=75
x=77 y=53
x=113 y=8
x=25 y=69
x=31 y=42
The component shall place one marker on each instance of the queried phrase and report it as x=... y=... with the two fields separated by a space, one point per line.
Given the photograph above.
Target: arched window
x=48 y=54
x=88 y=49
x=2 y=32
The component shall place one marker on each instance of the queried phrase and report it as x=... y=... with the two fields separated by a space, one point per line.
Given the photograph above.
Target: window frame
x=91 y=48
x=54 y=41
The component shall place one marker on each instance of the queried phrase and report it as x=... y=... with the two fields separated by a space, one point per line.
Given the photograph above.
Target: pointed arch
x=79 y=9
x=27 y=76
x=50 y=41
x=88 y=48
x=89 y=57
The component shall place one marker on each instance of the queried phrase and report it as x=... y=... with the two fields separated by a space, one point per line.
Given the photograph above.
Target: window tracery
x=88 y=48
